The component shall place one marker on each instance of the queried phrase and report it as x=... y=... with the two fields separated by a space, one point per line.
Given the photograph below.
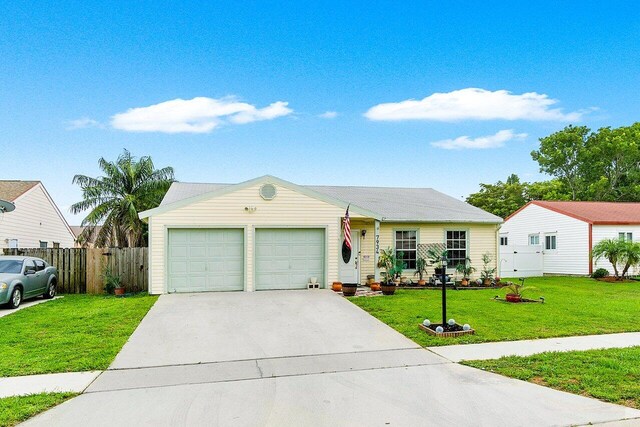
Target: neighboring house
x=82 y=242
x=567 y=231
x=36 y=222
x=268 y=233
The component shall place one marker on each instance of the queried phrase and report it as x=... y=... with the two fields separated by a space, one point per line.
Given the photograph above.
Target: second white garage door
x=287 y=258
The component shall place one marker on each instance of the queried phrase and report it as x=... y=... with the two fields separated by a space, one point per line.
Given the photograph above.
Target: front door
x=350 y=271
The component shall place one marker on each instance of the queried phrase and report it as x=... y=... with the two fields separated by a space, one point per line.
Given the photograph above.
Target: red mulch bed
x=612 y=279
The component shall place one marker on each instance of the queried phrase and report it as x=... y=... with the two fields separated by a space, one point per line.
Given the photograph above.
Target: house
x=82 y=241
x=268 y=233
x=565 y=232
x=36 y=221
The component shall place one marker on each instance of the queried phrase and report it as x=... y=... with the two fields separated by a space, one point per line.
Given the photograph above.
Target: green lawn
x=74 y=333
x=574 y=306
x=612 y=375
x=14 y=410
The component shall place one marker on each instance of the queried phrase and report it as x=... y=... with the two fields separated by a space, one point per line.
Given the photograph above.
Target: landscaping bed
x=573 y=306
x=612 y=375
x=74 y=333
x=14 y=410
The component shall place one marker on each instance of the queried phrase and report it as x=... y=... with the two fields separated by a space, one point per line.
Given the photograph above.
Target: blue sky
x=81 y=80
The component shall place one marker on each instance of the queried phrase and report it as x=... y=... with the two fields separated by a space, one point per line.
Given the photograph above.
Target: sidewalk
x=25 y=304
x=495 y=350
x=75 y=382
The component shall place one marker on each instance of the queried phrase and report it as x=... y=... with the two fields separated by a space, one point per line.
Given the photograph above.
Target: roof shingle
x=596 y=212
x=11 y=190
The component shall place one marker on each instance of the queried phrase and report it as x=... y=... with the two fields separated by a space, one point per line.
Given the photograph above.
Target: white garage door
x=201 y=260
x=287 y=258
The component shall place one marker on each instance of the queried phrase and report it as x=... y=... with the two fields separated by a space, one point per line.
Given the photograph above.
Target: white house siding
x=35 y=219
x=572 y=253
x=288 y=209
x=481 y=238
x=601 y=232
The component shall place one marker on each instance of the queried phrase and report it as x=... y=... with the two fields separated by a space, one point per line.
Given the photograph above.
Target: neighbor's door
x=350 y=272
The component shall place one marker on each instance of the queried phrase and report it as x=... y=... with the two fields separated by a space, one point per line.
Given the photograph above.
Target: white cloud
x=329 y=115
x=482 y=142
x=197 y=115
x=474 y=104
x=82 y=123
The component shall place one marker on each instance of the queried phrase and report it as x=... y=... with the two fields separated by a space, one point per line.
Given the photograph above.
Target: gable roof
x=390 y=204
x=602 y=213
x=11 y=190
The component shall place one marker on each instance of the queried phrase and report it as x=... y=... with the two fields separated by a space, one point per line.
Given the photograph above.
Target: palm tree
x=129 y=186
x=630 y=255
x=611 y=250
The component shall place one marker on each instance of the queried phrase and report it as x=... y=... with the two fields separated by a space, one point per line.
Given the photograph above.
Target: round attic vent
x=268 y=191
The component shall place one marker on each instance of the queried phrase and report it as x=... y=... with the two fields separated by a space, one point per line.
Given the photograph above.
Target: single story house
x=83 y=241
x=36 y=221
x=268 y=233
x=566 y=232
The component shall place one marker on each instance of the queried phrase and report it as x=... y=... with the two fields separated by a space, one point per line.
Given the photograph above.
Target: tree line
x=585 y=165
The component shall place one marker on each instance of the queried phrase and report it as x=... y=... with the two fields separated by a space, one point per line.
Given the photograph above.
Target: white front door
x=350 y=271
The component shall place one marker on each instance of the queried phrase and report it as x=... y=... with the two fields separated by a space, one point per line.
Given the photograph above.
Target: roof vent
x=268 y=191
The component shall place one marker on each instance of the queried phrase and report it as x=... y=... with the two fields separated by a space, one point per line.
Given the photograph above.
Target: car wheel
x=16 y=298
x=51 y=291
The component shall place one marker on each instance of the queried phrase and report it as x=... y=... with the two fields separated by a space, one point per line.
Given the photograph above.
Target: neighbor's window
x=626 y=236
x=550 y=242
x=407 y=247
x=43 y=245
x=13 y=243
x=56 y=245
x=456 y=247
x=504 y=240
x=534 y=239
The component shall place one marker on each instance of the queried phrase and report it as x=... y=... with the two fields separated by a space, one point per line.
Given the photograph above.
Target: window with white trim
x=550 y=242
x=456 y=241
x=534 y=239
x=43 y=245
x=625 y=236
x=504 y=240
x=406 y=244
x=13 y=243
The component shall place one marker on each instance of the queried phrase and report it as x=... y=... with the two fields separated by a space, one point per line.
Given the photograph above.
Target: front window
x=456 y=247
x=11 y=266
x=550 y=242
x=626 y=236
x=534 y=239
x=407 y=247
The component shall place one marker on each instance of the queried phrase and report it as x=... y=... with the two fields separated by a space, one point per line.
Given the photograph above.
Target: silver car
x=23 y=277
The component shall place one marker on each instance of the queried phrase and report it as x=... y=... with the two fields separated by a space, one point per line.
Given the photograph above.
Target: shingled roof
x=11 y=190
x=602 y=213
x=391 y=203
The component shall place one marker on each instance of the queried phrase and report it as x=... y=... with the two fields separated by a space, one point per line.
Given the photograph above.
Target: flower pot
x=388 y=288
x=118 y=291
x=371 y=280
x=464 y=282
x=486 y=282
x=422 y=282
x=513 y=298
x=375 y=286
x=349 y=289
x=439 y=271
x=336 y=287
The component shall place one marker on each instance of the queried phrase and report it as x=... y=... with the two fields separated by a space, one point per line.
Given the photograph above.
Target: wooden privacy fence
x=82 y=270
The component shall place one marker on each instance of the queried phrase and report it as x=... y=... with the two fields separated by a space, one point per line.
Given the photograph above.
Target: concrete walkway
x=25 y=304
x=495 y=350
x=301 y=358
x=75 y=382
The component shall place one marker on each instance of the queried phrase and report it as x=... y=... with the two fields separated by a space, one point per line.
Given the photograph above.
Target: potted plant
x=515 y=290
x=336 y=286
x=393 y=268
x=112 y=283
x=375 y=286
x=349 y=289
x=421 y=270
x=487 y=273
x=435 y=256
x=466 y=270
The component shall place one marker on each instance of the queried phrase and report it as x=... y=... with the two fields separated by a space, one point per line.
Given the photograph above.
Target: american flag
x=347 y=228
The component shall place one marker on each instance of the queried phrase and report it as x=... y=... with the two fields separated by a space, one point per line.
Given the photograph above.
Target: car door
x=41 y=276
x=29 y=280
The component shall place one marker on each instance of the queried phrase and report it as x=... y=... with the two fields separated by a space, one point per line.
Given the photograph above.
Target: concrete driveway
x=300 y=358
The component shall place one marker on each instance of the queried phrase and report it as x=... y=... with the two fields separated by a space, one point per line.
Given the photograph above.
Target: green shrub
x=600 y=273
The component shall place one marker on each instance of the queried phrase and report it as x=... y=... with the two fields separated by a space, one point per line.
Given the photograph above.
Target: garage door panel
x=287 y=258
x=205 y=260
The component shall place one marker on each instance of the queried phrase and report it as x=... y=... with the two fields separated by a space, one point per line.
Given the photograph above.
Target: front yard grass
x=574 y=306
x=612 y=375
x=74 y=333
x=14 y=410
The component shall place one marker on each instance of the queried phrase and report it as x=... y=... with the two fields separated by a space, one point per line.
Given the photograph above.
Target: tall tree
x=128 y=186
